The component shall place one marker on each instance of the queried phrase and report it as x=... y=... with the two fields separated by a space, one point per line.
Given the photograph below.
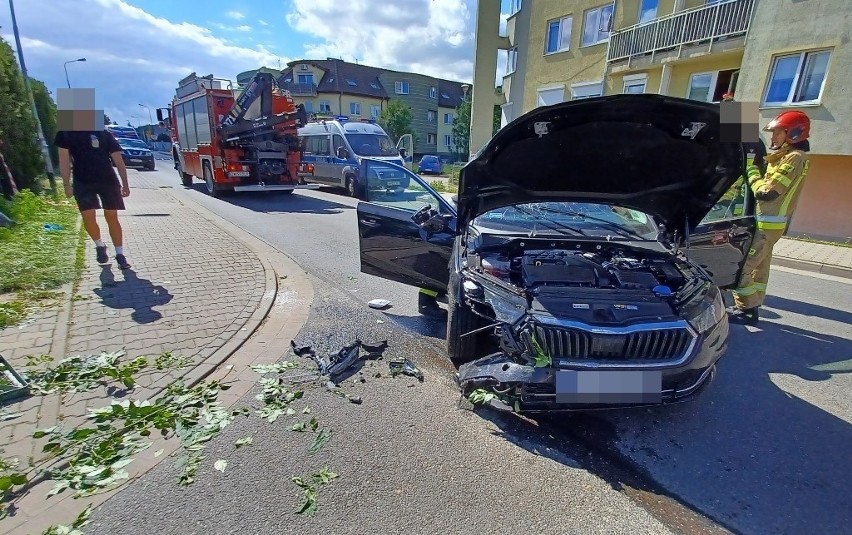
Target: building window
x=710 y=86
x=797 y=78
x=352 y=83
x=307 y=79
x=511 y=60
x=325 y=106
x=549 y=97
x=596 y=25
x=354 y=108
x=433 y=92
x=635 y=84
x=430 y=139
x=375 y=110
x=558 y=35
x=648 y=10
x=401 y=87
x=448 y=118
x=515 y=6
x=581 y=91
x=309 y=106
x=448 y=141
x=430 y=115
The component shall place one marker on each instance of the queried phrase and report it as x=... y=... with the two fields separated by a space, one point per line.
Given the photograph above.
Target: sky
x=137 y=50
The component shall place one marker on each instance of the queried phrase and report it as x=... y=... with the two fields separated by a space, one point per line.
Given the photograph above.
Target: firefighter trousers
x=751 y=289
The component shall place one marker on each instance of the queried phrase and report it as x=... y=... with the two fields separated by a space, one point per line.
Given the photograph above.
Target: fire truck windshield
x=371 y=145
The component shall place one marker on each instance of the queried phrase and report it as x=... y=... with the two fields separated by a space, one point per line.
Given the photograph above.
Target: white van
x=333 y=148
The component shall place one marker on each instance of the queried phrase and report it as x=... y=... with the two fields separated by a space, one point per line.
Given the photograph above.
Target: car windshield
x=572 y=218
x=132 y=143
x=371 y=145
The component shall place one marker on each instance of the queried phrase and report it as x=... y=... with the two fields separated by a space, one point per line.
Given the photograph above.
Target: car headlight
x=710 y=311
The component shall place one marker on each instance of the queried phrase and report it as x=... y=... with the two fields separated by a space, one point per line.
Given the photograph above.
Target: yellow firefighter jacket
x=777 y=192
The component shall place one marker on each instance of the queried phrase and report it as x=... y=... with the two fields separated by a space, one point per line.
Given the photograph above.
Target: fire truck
x=235 y=140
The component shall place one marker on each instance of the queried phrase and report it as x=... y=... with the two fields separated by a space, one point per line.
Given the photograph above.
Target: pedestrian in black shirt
x=92 y=152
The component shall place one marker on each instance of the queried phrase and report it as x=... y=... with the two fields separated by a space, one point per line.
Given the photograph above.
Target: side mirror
x=402 y=153
x=342 y=153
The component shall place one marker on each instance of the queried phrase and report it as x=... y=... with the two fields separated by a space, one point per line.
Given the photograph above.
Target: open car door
x=406 y=233
x=720 y=244
x=405 y=148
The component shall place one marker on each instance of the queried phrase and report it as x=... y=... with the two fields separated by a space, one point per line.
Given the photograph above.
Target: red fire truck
x=235 y=140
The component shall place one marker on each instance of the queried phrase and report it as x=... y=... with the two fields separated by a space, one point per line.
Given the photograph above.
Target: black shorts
x=104 y=194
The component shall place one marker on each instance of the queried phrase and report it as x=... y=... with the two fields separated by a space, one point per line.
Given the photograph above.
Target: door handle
x=369 y=222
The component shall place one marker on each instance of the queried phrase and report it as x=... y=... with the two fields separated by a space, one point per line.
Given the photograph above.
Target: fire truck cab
x=243 y=139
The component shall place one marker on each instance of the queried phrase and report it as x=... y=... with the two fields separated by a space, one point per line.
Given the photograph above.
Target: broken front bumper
x=530 y=389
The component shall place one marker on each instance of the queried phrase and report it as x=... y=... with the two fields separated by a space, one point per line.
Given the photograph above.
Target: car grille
x=133 y=152
x=650 y=345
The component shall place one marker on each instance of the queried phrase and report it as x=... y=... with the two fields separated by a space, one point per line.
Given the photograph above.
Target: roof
x=450 y=94
x=343 y=77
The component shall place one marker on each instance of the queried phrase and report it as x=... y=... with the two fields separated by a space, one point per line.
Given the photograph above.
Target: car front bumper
x=577 y=386
x=138 y=161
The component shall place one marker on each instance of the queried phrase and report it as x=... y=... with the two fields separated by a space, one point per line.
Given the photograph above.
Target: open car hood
x=661 y=155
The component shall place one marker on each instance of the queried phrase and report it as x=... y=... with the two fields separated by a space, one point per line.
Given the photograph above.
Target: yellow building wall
x=683 y=71
x=575 y=65
x=627 y=11
x=615 y=82
x=444 y=129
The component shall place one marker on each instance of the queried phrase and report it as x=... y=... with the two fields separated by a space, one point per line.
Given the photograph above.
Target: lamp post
x=65 y=66
x=45 y=152
x=150 y=120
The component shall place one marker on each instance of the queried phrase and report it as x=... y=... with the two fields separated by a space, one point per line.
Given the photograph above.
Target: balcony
x=669 y=35
x=300 y=90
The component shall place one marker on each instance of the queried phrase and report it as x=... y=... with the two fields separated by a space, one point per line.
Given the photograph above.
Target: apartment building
x=336 y=87
x=782 y=54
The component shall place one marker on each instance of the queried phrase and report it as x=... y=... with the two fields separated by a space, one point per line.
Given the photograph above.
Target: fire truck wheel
x=213 y=189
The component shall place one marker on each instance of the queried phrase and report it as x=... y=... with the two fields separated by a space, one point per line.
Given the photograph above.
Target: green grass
x=33 y=260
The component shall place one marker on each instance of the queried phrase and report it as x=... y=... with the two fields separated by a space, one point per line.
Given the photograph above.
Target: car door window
x=319 y=145
x=394 y=186
x=337 y=145
x=732 y=204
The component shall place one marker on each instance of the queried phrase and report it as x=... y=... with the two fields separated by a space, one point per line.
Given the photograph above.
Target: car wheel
x=461 y=320
x=351 y=186
x=213 y=189
x=185 y=178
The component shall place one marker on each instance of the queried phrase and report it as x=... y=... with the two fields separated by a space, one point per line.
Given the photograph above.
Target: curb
x=813 y=267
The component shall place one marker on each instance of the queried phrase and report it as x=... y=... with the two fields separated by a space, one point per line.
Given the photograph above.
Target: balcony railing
x=706 y=23
x=300 y=90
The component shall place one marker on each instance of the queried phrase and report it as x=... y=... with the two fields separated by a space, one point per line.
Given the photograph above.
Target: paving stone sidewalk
x=192 y=289
x=820 y=257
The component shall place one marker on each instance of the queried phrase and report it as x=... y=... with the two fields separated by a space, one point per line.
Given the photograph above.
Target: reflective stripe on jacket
x=785 y=173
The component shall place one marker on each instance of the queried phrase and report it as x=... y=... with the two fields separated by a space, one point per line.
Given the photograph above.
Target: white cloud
x=263 y=22
x=132 y=56
x=236 y=15
x=433 y=37
x=243 y=28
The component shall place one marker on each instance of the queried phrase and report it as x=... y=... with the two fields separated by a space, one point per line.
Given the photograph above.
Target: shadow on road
x=279 y=203
x=748 y=453
x=132 y=292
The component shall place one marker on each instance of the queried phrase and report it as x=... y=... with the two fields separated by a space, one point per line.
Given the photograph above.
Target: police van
x=333 y=148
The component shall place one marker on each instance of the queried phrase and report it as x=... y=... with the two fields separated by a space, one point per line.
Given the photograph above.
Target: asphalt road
x=766 y=449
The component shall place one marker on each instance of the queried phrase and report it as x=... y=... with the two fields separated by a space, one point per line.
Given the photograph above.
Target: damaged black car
x=583 y=259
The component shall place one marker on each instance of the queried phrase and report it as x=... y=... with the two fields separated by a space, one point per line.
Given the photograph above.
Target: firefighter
x=427 y=304
x=776 y=193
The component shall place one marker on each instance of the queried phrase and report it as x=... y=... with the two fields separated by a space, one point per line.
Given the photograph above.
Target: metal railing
x=705 y=23
x=300 y=90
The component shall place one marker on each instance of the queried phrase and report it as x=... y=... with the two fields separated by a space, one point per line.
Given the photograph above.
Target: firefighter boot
x=743 y=316
x=427 y=305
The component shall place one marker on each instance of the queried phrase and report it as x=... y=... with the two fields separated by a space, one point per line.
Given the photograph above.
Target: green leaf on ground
x=300 y=427
x=220 y=465
x=480 y=396
x=324 y=476
x=306 y=410
x=158 y=453
x=245 y=441
x=314 y=423
x=321 y=439
x=278 y=367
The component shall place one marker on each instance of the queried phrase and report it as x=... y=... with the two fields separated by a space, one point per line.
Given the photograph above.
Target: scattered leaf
x=321 y=439
x=480 y=396
x=220 y=465
x=158 y=453
x=314 y=423
x=306 y=410
x=245 y=441
x=324 y=476
x=299 y=427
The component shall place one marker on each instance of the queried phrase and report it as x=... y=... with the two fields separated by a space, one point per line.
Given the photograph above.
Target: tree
x=497 y=119
x=18 y=135
x=461 y=130
x=107 y=120
x=46 y=109
x=396 y=119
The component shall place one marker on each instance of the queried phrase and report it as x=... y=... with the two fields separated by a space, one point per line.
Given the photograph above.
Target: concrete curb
x=813 y=267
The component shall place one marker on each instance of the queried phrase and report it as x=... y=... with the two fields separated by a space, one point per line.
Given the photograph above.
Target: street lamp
x=65 y=66
x=150 y=117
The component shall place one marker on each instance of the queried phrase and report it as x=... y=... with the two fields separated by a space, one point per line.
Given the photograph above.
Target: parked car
x=136 y=153
x=430 y=164
x=579 y=266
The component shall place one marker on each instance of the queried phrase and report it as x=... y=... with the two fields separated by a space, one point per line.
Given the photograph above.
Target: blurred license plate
x=610 y=386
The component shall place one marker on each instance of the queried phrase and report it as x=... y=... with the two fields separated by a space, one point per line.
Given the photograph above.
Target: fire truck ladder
x=236 y=128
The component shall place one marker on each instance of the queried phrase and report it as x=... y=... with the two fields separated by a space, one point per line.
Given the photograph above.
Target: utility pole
x=45 y=152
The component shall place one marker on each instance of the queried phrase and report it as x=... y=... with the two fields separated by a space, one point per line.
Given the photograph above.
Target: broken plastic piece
x=379 y=304
x=356 y=400
x=405 y=367
x=300 y=350
x=344 y=358
x=376 y=350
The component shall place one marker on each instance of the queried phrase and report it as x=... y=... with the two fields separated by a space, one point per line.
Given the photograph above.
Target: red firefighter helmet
x=796 y=123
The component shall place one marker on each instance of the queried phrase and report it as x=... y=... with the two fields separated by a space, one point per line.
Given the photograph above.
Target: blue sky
x=137 y=50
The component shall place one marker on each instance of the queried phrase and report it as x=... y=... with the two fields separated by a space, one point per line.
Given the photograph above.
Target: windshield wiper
x=558 y=227
x=609 y=224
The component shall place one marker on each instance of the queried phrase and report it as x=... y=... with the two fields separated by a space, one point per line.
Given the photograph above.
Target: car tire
x=185 y=178
x=461 y=320
x=213 y=189
x=351 y=186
